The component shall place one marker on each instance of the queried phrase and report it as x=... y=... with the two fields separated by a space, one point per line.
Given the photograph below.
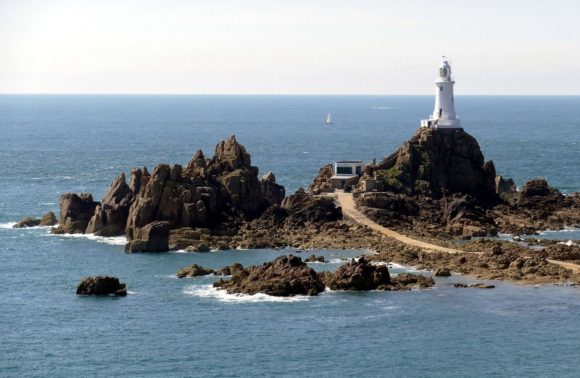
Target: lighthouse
x=443 y=116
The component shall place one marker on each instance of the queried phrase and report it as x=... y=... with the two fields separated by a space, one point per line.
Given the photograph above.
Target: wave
x=7 y=224
x=111 y=240
x=208 y=291
x=383 y=107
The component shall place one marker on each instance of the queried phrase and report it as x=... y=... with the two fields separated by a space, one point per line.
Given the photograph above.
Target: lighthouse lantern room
x=443 y=116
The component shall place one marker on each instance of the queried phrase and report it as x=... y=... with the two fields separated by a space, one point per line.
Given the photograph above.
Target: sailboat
x=328 y=119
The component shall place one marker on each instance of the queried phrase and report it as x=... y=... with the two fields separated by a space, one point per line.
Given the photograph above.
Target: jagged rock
x=231 y=270
x=153 y=237
x=48 y=219
x=230 y=155
x=110 y=217
x=304 y=207
x=101 y=285
x=285 y=276
x=441 y=272
x=75 y=213
x=193 y=271
x=322 y=181
x=359 y=275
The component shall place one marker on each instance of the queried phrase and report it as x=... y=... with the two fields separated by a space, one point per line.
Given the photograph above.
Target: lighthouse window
x=440 y=89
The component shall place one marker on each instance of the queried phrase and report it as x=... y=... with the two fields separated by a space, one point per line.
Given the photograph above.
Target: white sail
x=328 y=119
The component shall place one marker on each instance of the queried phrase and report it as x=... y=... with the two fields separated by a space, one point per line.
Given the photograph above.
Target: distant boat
x=328 y=119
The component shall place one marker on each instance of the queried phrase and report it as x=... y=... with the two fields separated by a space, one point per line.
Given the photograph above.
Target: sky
x=288 y=46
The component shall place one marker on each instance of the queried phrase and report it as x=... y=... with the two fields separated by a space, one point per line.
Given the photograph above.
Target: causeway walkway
x=349 y=209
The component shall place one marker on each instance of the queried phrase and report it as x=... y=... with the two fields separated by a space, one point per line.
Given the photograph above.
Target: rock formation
x=193 y=271
x=153 y=237
x=288 y=276
x=101 y=286
x=359 y=275
x=283 y=277
x=75 y=213
x=208 y=193
x=437 y=162
x=48 y=219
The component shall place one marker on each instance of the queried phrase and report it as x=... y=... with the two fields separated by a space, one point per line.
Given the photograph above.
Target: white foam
x=569 y=243
x=7 y=225
x=208 y=291
x=112 y=240
x=394 y=265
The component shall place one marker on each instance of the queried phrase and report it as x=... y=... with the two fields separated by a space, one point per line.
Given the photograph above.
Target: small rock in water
x=479 y=285
x=27 y=222
x=102 y=286
x=193 y=271
x=314 y=258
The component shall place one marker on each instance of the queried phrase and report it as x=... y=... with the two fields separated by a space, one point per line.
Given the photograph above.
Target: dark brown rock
x=101 y=286
x=359 y=275
x=231 y=270
x=75 y=213
x=441 y=272
x=27 y=222
x=285 y=276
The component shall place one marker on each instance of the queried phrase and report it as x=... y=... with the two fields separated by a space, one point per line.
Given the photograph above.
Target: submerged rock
x=101 y=285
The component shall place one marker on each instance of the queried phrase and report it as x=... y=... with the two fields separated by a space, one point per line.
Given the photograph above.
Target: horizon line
x=264 y=94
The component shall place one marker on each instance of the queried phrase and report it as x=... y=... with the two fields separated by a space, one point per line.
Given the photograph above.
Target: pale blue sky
x=288 y=47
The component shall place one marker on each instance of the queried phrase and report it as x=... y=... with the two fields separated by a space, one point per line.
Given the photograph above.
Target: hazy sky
x=288 y=47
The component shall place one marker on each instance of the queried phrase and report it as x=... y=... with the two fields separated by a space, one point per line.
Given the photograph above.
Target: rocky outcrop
x=479 y=285
x=283 y=277
x=304 y=207
x=359 y=275
x=321 y=182
x=438 y=162
x=231 y=270
x=75 y=213
x=538 y=194
x=153 y=237
x=194 y=271
x=110 y=217
x=217 y=194
x=207 y=193
x=102 y=286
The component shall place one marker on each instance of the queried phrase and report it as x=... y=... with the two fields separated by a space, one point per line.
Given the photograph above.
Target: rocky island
x=421 y=205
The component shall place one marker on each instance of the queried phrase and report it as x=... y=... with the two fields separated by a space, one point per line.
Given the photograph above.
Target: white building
x=444 y=116
x=346 y=172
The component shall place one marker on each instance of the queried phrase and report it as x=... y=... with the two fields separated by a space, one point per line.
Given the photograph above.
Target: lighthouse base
x=441 y=124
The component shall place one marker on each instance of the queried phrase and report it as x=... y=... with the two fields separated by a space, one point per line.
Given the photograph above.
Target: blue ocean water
x=170 y=327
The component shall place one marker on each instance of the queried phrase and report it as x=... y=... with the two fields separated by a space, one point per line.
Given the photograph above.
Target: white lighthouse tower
x=443 y=116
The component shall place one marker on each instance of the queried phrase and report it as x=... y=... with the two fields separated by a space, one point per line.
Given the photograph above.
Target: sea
x=169 y=327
